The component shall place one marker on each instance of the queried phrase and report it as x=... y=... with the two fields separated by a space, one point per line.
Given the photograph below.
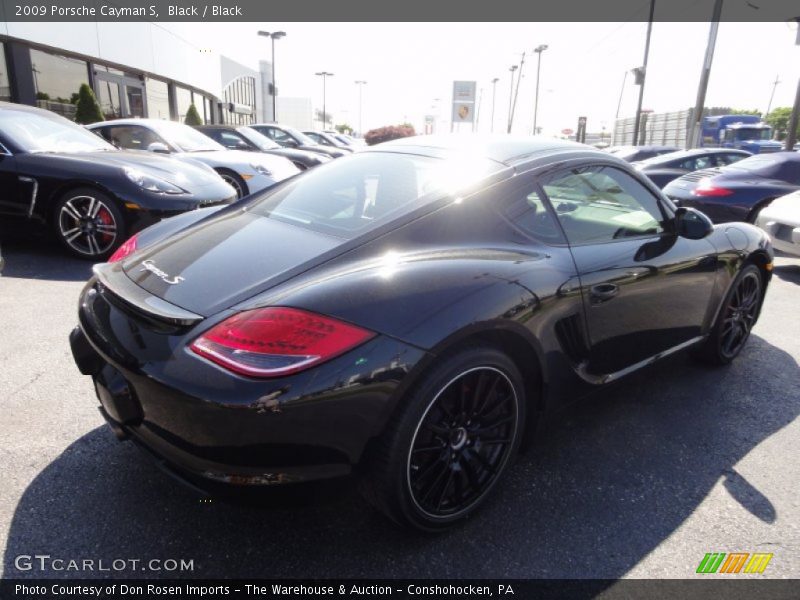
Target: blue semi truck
x=745 y=132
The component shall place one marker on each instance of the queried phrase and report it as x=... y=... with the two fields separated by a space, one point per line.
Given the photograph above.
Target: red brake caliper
x=106 y=218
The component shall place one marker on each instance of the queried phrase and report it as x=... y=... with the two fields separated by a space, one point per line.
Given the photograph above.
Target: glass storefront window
x=57 y=80
x=5 y=86
x=184 y=99
x=108 y=97
x=157 y=94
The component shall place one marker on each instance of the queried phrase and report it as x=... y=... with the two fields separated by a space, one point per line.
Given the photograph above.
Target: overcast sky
x=408 y=65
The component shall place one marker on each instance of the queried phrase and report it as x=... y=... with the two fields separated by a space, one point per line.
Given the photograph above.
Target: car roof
x=506 y=149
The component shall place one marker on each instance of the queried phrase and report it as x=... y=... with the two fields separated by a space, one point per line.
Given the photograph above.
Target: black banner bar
x=408 y=10
x=744 y=588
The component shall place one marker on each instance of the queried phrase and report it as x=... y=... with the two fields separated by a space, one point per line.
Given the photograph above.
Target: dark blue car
x=739 y=191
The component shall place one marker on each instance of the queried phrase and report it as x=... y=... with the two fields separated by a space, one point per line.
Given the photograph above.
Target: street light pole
x=360 y=85
x=538 y=50
x=275 y=35
x=324 y=75
x=512 y=68
x=494 y=97
x=638 y=121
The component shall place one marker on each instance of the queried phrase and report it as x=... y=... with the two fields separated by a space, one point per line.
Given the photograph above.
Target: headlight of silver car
x=151 y=183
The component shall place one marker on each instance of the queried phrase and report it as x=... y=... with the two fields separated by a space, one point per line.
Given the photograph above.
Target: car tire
x=89 y=223
x=737 y=315
x=235 y=181
x=451 y=441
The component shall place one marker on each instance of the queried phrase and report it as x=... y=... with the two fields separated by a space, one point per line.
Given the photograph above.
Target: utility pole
x=538 y=50
x=791 y=136
x=772 y=95
x=644 y=74
x=512 y=68
x=516 y=92
x=494 y=97
x=621 y=91
x=697 y=117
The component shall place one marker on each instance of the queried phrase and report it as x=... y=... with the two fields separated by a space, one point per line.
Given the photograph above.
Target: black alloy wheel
x=462 y=442
x=736 y=318
x=89 y=223
x=451 y=442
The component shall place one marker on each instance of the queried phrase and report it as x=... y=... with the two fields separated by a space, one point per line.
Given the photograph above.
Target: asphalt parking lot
x=639 y=481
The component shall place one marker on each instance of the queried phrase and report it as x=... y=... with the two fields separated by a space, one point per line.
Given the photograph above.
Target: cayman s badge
x=149 y=265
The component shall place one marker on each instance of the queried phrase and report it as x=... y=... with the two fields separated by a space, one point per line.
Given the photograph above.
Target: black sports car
x=664 y=168
x=247 y=138
x=407 y=314
x=739 y=191
x=289 y=137
x=93 y=196
x=326 y=139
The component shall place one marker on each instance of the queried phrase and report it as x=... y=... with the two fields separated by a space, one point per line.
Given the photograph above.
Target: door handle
x=603 y=292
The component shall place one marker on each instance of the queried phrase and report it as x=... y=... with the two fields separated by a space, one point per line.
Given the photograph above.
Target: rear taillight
x=706 y=188
x=126 y=249
x=269 y=342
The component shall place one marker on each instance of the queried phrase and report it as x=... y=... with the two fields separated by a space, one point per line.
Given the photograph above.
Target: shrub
x=192 y=116
x=87 y=109
x=390 y=132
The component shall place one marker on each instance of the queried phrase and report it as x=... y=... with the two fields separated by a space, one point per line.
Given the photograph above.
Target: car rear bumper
x=218 y=428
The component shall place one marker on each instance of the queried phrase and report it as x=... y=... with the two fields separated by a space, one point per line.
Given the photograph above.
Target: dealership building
x=139 y=69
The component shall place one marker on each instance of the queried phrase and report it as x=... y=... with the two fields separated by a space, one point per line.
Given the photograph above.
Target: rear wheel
x=451 y=443
x=88 y=223
x=736 y=318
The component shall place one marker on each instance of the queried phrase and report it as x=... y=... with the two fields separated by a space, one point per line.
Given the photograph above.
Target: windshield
x=753 y=134
x=184 y=137
x=259 y=139
x=347 y=196
x=33 y=132
x=300 y=137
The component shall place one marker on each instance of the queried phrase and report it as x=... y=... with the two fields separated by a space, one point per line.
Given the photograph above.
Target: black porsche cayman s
x=406 y=314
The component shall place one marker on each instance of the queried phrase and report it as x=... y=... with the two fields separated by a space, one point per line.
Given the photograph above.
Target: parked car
x=248 y=139
x=246 y=172
x=289 y=137
x=636 y=153
x=92 y=196
x=739 y=191
x=327 y=139
x=406 y=314
x=781 y=220
x=664 y=168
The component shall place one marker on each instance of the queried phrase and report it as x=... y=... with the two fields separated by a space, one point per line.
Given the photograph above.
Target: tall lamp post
x=275 y=35
x=494 y=97
x=641 y=74
x=360 y=85
x=512 y=68
x=539 y=49
x=324 y=75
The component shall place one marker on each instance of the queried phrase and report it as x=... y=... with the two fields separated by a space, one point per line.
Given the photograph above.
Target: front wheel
x=235 y=181
x=88 y=223
x=735 y=319
x=451 y=442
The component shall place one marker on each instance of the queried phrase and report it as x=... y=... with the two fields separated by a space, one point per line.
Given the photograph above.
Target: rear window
x=359 y=192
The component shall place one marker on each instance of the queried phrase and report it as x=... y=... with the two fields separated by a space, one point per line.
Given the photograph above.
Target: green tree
x=779 y=120
x=344 y=128
x=87 y=108
x=192 y=116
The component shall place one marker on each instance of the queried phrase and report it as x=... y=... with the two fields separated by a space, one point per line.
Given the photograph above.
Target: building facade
x=135 y=69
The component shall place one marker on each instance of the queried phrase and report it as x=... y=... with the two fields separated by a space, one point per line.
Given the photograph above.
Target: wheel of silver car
x=236 y=182
x=88 y=223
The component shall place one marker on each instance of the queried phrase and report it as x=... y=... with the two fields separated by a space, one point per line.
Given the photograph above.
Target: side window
x=530 y=213
x=229 y=139
x=597 y=204
x=131 y=137
x=277 y=135
x=729 y=159
x=703 y=162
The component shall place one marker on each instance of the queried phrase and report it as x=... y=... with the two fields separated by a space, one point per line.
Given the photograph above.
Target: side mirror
x=158 y=147
x=692 y=224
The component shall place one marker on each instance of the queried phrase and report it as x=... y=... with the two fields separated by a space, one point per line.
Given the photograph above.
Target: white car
x=247 y=172
x=781 y=220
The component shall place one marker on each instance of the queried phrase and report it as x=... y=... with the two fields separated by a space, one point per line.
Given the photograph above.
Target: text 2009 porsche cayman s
x=406 y=314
